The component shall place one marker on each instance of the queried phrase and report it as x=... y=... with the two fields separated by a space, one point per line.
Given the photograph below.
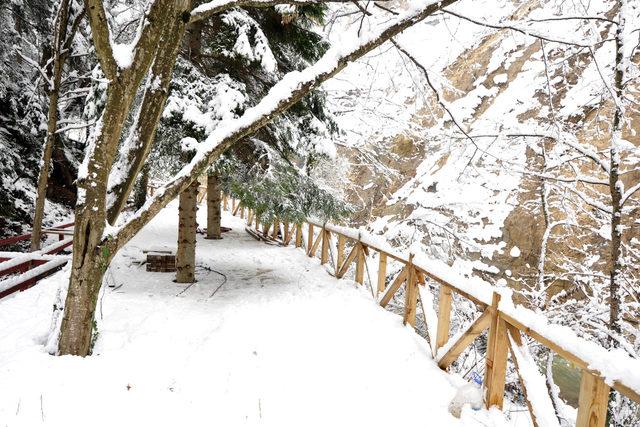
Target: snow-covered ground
x=280 y=343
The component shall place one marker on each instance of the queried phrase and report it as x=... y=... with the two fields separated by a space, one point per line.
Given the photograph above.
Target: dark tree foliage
x=25 y=33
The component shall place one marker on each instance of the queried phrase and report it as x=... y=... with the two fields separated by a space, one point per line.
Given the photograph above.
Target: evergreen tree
x=226 y=65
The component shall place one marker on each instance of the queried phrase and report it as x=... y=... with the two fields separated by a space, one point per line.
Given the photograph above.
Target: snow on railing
x=27 y=268
x=601 y=369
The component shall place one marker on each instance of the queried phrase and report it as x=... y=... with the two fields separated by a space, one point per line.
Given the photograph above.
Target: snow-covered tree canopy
x=227 y=64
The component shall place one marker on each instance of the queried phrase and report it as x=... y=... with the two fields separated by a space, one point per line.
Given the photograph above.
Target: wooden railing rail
x=61 y=230
x=506 y=323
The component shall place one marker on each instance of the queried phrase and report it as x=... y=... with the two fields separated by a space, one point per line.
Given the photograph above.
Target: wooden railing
x=26 y=269
x=506 y=323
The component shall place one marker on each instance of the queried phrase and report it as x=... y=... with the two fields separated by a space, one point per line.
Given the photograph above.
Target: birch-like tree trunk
x=214 y=211
x=187 y=226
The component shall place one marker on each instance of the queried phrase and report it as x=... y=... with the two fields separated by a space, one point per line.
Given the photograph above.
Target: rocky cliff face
x=475 y=202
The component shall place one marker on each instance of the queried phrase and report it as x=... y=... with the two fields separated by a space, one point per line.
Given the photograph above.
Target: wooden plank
x=298 y=235
x=593 y=400
x=360 y=260
x=287 y=235
x=314 y=247
x=524 y=362
x=430 y=316
x=393 y=288
x=347 y=262
x=476 y=328
x=340 y=257
x=444 y=316
x=411 y=297
x=324 y=251
x=382 y=272
x=310 y=239
x=567 y=355
x=496 y=359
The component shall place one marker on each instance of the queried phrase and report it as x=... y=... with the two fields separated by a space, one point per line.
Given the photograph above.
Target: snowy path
x=281 y=343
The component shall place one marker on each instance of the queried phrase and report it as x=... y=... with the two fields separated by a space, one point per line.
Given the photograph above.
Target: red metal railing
x=26 y=269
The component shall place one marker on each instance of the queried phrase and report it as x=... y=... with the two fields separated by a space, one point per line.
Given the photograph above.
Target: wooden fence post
x=233 y=206
x=225 y=202
x=444 y=316
x=298 y=235
x=324 y=251
x=287 y=235
x=310 y=240
x=497 y=354
x=410 y=295
x=360 y=260
x=382 y=272
x=276 y=228
x=340 y=256
x=593 y=401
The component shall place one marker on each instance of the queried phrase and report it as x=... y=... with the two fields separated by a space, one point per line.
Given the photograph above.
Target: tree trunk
x=213 y=207
x=140 y=194
x=186 y=254
x=91 y=252
x=616 y=188
x=52 y=123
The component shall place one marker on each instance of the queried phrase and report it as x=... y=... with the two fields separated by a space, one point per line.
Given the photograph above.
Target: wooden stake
x=287 y=235
x=314 y=247
x=444 y=316
x=497 y=353
x=340 y=257
x=516 y=339
x=593 y=401
x=360 y=263
x=343 y=269
x=276 y=228
x=324 y=251
x=298 y=236
x=382 y=272
x=310 y=239
x=410 y=296
x=393 y=288
x=476 y=328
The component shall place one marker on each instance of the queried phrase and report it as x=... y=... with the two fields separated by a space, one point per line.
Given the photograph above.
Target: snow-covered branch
x=283 y=95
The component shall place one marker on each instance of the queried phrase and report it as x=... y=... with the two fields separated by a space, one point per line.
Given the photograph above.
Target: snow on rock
x=515 y=252
x=279 y=343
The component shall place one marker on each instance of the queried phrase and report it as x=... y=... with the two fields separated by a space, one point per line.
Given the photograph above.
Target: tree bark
x=214 y=213
x=92 y=253
x=187 y=225
x=52 y=122
x=616 y=188
x=140 y=193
